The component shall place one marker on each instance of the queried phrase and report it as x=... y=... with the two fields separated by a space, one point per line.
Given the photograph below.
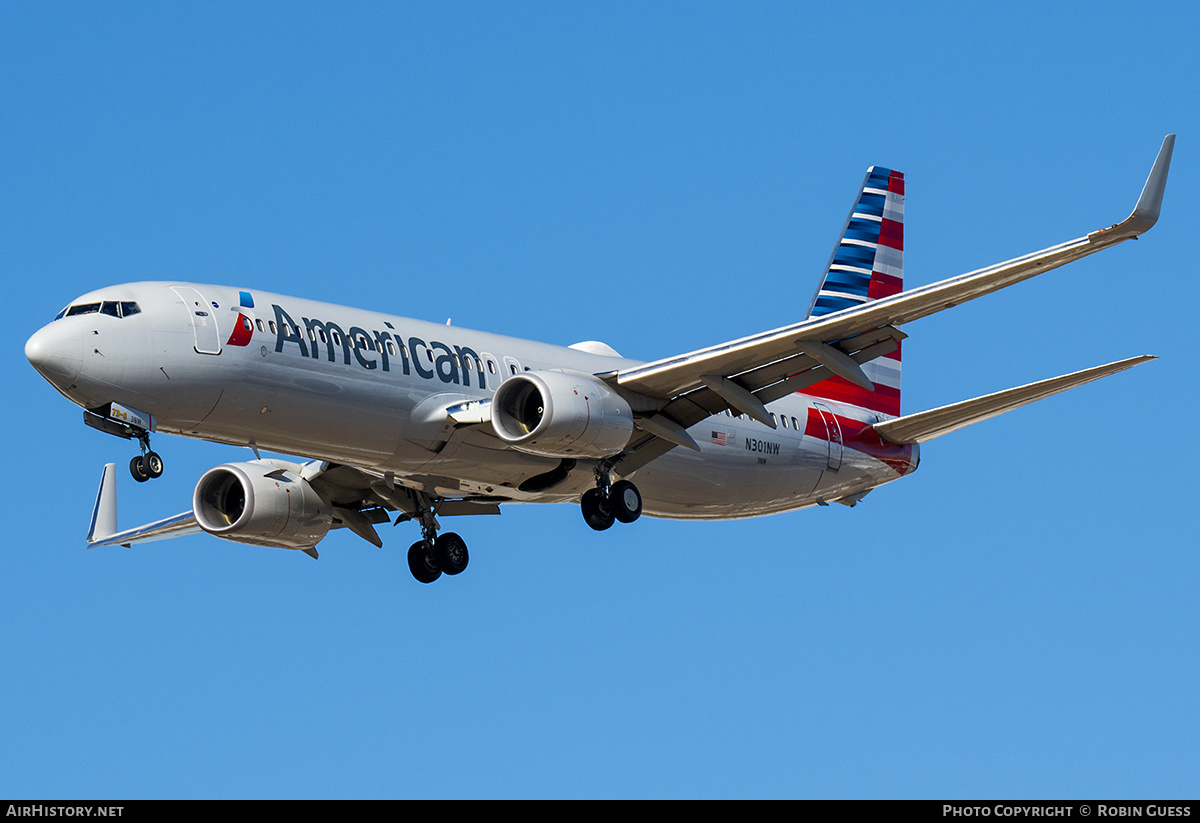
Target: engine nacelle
x=264 y=503
x=561 y=414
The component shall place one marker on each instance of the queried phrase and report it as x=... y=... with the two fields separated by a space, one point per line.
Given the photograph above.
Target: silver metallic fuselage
x=207 y=365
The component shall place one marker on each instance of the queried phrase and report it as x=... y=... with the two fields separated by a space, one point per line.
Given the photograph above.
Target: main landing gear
x=434 y=555
x=446 y=554
x=608 y=503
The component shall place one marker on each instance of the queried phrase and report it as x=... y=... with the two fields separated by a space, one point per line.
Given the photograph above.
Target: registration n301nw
x=399 y=419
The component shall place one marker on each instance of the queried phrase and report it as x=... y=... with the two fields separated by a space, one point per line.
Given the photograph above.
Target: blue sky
x=1017 y=619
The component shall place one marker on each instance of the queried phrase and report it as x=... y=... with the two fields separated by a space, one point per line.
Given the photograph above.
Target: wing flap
x=926 y=425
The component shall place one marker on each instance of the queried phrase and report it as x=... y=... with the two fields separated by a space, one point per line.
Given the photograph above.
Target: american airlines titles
x=446 y=363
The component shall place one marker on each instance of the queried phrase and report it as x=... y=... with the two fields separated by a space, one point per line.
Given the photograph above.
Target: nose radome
x=56 y=351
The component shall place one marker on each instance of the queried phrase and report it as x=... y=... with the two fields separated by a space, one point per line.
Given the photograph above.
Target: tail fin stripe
x=891 y=234
x=884 y=285
x=872 y=204
x=890 y=262
x=860 y=257
x=854 y=282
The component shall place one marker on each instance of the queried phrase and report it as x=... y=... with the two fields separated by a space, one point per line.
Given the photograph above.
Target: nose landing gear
x=148 y=464
x=130 y=424
x=143 y=467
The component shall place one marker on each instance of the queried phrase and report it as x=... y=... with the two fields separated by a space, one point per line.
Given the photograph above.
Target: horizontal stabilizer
x=926 y=425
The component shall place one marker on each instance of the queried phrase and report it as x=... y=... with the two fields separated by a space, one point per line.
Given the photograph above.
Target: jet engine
x=263 y=503
x=561 y=414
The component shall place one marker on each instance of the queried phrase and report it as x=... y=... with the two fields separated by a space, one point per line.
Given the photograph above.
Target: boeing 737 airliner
x=395 y=417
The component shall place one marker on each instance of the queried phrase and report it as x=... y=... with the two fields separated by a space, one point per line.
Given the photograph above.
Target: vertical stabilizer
x=866 y=265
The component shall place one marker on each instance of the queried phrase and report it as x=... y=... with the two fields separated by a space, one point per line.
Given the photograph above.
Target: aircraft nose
x=56 y=351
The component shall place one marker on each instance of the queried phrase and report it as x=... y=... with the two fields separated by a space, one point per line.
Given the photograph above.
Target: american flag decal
x=719 y=438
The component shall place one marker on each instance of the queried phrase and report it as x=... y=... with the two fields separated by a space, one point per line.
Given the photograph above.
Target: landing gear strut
x=435 y=554
x=148 y=464
x=608 y=503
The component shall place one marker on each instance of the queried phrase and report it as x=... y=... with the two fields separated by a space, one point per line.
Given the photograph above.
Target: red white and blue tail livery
x=867 y=264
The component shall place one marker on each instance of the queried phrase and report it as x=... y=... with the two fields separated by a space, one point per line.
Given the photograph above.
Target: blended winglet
x=103 y=529
x=104 y=512
x=1149 y=204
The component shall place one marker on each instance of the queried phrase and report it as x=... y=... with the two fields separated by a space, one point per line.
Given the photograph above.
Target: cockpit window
x=109 y=307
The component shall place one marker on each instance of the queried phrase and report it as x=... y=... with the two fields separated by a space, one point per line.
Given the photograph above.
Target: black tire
x=153 y=464
x=625 y=501
x=596 y=512
x=421 y=564
x=450 y=552
x=138 y=469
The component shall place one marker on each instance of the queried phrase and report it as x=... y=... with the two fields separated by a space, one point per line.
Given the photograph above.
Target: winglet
x=1149 y=204
x=103 y=529
x=104 y=513
x=1145 y=213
